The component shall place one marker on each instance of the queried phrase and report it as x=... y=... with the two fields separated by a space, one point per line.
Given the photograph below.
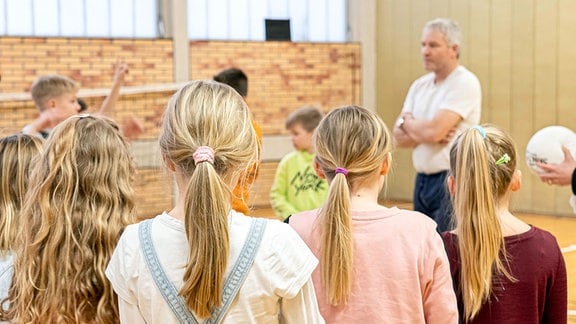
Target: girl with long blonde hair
x=79 y=200
x=505 y=271
x=17 y=153
x=378 y=264
x=202 y=261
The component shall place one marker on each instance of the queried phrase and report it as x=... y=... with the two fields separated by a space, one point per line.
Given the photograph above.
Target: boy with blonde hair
x=55 y=97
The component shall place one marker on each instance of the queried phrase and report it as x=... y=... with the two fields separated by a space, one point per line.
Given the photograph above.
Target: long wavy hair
x=207 y=113
x=357 y=139
x=480 y=183
x=80 y=199
x=16 y=155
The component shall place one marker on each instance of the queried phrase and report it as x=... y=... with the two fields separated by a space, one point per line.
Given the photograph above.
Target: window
x=310 y=20
x=79 y=18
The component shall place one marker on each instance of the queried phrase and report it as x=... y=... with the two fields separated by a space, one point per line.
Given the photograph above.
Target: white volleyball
x=545 y=146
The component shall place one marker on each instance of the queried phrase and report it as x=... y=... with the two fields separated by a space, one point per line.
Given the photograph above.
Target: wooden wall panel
x=460 y=12
x=477 y=47
x=545 y=85
x=398 y=50
x=522 y=84
x=523 y=53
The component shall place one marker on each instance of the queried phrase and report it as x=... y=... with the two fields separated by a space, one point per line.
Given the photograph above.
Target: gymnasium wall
x=282 y=77
x=523 y=53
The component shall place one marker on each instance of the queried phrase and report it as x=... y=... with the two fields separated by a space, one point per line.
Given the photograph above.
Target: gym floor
x=564 y=228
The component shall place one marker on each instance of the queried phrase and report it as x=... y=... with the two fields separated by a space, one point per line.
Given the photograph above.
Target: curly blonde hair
x=16 y=155
x=79 y=201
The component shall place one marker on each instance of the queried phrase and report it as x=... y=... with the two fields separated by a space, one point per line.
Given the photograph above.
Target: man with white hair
x=437 y=106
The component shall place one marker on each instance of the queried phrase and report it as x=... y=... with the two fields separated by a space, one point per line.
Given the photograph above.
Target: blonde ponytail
x=337 y=246
x=480 y=183
x=206 y=223
x=207 y=114
x=351 y=144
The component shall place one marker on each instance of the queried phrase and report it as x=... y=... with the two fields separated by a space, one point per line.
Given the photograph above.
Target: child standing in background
x=16 y=155
x=377 y=264
x=78 y=202
x=505 y=271
x=238 y=80
x=296 y=186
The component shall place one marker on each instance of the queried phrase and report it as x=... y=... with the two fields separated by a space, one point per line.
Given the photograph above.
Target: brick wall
x=282 y=77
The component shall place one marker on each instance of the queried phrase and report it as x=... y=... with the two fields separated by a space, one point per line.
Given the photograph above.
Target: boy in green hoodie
x=296 y=186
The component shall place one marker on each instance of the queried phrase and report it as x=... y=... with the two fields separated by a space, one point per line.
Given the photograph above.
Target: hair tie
x=503 y=159
x=203 y=154
x=344 y=171
x=481 y=130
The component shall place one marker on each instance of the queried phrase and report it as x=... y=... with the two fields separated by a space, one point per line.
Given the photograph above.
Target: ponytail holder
x=481 y=130
x=203 y=154
x=344 y=171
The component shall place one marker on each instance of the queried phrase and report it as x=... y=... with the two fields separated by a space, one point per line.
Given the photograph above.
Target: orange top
x=242 y=189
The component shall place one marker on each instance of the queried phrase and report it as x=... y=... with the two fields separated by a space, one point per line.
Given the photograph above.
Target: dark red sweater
x=539 y=295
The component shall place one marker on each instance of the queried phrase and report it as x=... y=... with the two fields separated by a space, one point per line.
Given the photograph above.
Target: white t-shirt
x=460 y=92
x=279 y=280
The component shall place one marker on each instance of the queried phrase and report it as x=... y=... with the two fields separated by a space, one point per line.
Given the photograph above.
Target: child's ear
x=516 y=181
x=318 y=170
x=386 y=164
x=51 y=103
x=450 y=183
x=169 y=164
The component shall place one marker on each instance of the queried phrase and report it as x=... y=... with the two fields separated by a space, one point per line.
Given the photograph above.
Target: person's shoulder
x=290 y=156
x=304 y=218
x=466 y=74
x=544 y=236
x=132 y=229
x=130 y=235
x=414 y=224
x=276 y=228
x=426 y=78
x=282 y=239
x=423 y=82
x=283 y=233
x=450 y=240
x=129 y=238
x=415 y=217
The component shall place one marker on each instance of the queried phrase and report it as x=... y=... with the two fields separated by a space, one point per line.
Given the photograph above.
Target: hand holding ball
x=545 y=146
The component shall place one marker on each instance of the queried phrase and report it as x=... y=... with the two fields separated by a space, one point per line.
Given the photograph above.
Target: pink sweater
x=402 y=274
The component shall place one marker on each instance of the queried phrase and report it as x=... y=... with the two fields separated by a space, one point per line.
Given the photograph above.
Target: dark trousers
x=431 y=197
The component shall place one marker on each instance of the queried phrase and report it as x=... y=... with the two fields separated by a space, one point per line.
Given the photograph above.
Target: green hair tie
x=503 y=159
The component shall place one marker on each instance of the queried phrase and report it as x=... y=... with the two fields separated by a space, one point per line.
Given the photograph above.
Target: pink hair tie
x=344 y=171
x=203 y=154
